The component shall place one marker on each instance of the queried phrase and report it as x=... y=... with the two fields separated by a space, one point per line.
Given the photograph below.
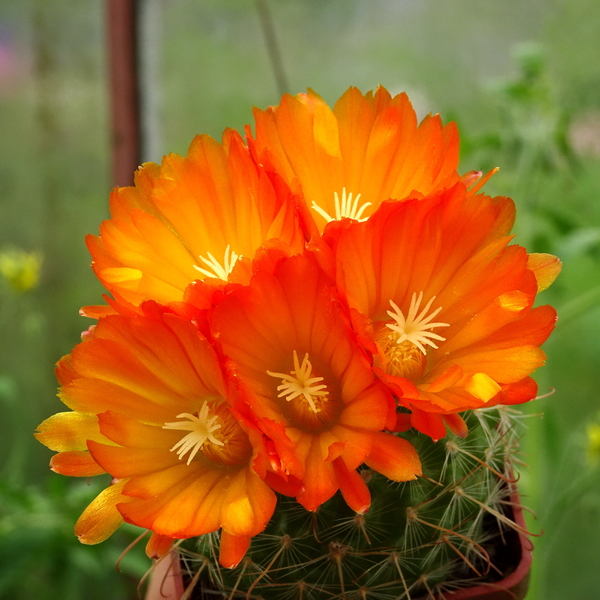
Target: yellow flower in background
x=20 y=269
x=593 y=443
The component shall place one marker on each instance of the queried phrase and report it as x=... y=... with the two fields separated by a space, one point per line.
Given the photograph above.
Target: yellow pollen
x=344 y=208
x=300 y=383
x=415 y=327
x=219 y=270
x=201 y=429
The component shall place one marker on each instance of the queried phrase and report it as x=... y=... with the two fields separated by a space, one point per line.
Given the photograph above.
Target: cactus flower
x=446 y=304
x=194 y=217
x=349 y=159
x=309 y=383
x=151 y=408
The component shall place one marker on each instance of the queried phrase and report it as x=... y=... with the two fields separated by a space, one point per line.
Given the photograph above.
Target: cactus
x=419 y=538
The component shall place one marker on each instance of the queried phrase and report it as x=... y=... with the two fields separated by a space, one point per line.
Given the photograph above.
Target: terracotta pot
x=166 y=582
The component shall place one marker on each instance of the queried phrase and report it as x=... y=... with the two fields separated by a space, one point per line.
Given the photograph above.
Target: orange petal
x=430 y=424
x=394 y=457
x=232 y=549
x=521 y=391
x=190 y=507
x=158 y=546
x=248 y=505
x=127 y=462
x=101 y=518
x=75 y=464
x=456 y=424
x=130 y=433
x=320 y=482
x=402 y=422
x=353 y=487
x=504 y=365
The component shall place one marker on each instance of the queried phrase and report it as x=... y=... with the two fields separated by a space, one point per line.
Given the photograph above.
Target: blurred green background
x=521 y=78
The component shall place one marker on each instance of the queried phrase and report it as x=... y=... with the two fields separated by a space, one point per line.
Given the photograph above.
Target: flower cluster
x=284 y=309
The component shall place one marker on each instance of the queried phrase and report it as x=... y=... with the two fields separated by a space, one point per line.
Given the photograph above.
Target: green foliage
x=39 y=557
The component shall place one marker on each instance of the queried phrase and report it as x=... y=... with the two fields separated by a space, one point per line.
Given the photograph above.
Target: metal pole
x=124 y=90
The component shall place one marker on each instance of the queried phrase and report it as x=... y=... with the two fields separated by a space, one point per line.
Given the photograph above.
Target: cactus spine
x=418 y=539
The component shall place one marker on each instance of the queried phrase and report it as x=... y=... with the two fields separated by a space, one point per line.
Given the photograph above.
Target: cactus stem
x=485 y=464
x=423 y=581
x=314 y=525
x=447 y=541
x=246 y=562
x=394 y=557
x=431 y=480
x=460 y=535
x=360 y=522
x=337 y=552
x=190 y=588
x=502 y=518
x=286 y=542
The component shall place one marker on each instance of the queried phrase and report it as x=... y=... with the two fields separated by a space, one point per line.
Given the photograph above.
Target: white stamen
x=346 y=208
x=414 y=327
x=201 y=429
x=219 y=270
x=300 y=383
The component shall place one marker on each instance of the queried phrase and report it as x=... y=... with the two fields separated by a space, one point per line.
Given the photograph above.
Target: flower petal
x=394 y=457
x=101 y=518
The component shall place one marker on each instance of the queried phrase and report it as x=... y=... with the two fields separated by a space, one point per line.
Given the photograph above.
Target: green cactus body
x=418 y=538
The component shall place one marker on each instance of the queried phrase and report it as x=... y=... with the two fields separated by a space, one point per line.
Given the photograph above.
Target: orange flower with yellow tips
x=194 y=217
x=446 y=303
x=348 y=160
x=150 y=407
x=309 y=384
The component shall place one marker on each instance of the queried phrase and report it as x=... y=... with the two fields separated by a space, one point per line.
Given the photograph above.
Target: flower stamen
x=345 y=208
x=219 y=270
x=300 y=383
x=201 y=430
x=414 y=327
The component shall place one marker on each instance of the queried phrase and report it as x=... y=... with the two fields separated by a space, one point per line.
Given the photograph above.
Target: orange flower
x=151 y=407
x=446 y=303
x=348 y=160
x=202 y=216
x=309 y=384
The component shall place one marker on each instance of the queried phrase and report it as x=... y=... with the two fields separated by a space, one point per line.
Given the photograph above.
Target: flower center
x=201 y=430
x=403 y=359
x=299 y=384
x=416 y=326
x=404 y=341
x=217 y=269
x=345 y=207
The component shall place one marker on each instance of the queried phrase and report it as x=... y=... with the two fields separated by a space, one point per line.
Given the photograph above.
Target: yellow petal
x=101 y=518
x=69 y=431
x=545 y=267
x=482 y=386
